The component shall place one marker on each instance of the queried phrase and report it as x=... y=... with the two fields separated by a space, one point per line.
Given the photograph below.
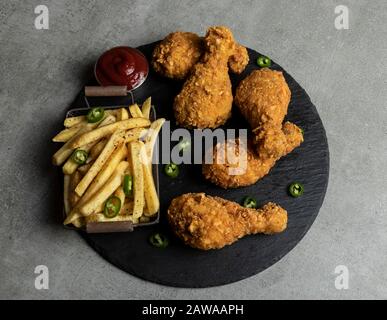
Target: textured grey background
x=344 y=72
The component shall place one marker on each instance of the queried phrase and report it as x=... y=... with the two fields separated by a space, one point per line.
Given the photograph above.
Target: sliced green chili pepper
x=296 y=189
x=112 y=207
x=250 y=202
x=80 y=156
x=302 y=131
x=95 y=115
x=128 y=185
x=171 y=170
x=264 y=61
x=158 y=240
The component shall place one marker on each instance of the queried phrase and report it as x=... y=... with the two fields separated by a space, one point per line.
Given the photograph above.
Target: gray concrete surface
x=344 y=71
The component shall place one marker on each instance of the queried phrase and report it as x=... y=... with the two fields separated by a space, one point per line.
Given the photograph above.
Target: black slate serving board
x=182 y=266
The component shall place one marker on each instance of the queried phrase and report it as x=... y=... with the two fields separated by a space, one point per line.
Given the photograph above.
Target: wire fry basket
x=117 y=226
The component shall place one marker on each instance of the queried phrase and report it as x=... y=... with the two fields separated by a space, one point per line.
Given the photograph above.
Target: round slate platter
x=182 y=266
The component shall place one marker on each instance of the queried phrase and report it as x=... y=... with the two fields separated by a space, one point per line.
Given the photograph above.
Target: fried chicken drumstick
x=263 y=98
x=175 y=56
x=206 y=98
x=206 y=222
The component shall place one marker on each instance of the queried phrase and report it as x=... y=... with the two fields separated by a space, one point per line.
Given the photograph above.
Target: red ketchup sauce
x=122 y=66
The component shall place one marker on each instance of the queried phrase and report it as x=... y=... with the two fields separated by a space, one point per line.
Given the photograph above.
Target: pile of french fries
x=119 y=144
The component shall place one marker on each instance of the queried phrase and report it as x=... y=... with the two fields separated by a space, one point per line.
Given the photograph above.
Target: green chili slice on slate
x=296 y=189
x=250 y=202
x=171 y=170
x=264 y=61
x=158 y=240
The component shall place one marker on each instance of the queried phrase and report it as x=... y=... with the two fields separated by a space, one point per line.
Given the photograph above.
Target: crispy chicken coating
x=235 y=165
x=239 y=60
x=255 y=165
x=274 y=142
x=263 y=98
x=175 y=56
x=206 y=98
x=206 y=222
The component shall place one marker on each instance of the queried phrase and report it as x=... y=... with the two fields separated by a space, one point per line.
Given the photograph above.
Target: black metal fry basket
x=116 y=226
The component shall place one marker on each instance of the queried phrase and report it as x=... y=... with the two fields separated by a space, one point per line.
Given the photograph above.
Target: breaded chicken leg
x=255 y=165
x=175 y=56
x=206 y=98
x=263 y=98
x=235 y=165
x=206 y=222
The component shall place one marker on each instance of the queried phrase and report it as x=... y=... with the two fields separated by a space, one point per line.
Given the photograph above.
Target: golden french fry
x=95 y=202
x=63 y=153
x=66 y=134
x=135 y=111
x=146 y=107
x=117 y=156
x=120 y=194
x=150 y=139
x=150 y=192
x=109 y=119
x=104 y=131
x=66 y=187
x=122 y=114
x=72 y=121
x=138 y=177
x=134 y=134
x=116 y=139
x=70 y=166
